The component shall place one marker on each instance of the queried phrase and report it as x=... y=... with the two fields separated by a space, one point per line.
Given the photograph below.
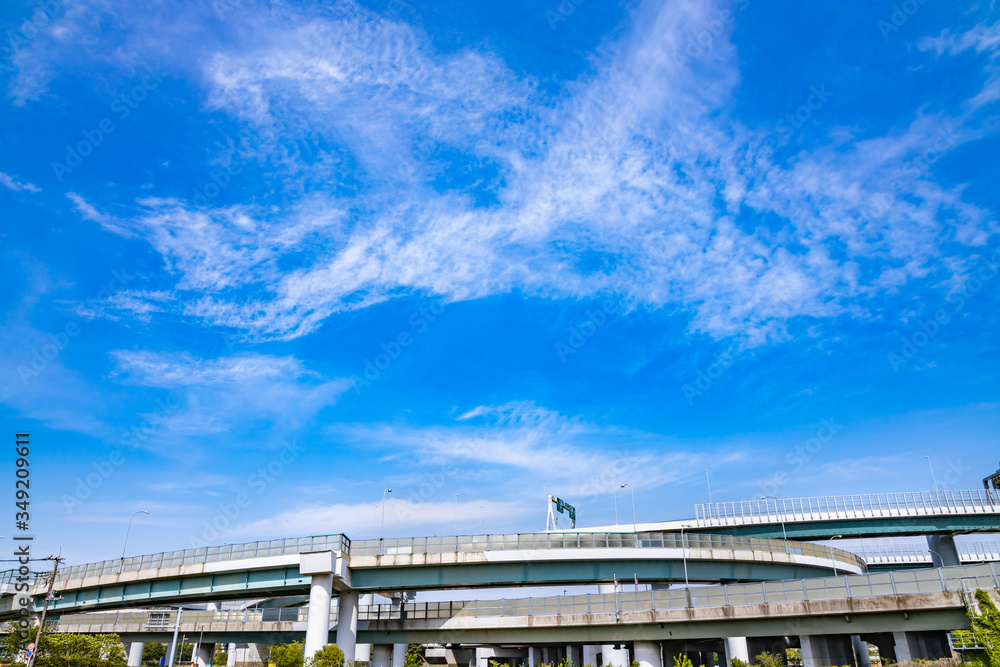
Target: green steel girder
x=287 y=580
x=215 y=586
x=481 y=575
x=886 y=527
x=388 y=632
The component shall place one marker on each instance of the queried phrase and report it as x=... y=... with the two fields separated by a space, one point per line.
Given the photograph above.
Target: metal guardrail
x=964 y=640
x=961 y=578
x=461 y=543
x=202 y=555
x=864 y=506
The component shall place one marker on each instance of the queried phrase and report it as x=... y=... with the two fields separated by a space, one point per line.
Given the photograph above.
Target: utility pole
x=45 y=611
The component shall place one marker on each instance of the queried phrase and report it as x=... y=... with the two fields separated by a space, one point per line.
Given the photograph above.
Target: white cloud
x=12 y=183
x=637 y=167
x=231 y=394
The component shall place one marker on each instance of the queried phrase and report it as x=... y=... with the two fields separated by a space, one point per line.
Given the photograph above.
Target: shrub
x=413 y=656
x=219 y=660
x=683 y=661
x=736 y=662
x=287 y=655
x=328 y=656
x=767 y=659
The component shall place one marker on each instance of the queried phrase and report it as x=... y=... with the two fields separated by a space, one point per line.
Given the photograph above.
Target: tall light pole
x=684 y=557
x=127 y=530
x=709 y=481
x=635 y=530
x=933 y=478
x=780 y=518
x=830 y=547
x=381 y=534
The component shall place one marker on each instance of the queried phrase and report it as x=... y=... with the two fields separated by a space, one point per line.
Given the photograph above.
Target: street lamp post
x=781 y=518
x=933 y=478
x=635 y=529
x=684 y=558
x=127 y=530
x=830 y=547
x=381 y=534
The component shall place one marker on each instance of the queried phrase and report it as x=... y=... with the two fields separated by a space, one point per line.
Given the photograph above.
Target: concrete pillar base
x=736 y=647
x=647 y=654
x=861 y=651
x=135 y=650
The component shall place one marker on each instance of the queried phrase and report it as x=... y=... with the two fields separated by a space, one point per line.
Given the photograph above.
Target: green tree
x=985 y=626
x=220 y=659
x=768 y=659
x=414 y=656
x=328 y=656
x=287 y=655
x=151 y=653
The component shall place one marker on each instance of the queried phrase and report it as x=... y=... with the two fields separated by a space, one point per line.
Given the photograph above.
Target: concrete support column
x=135 y=650
x=616 y=656
x=347 y=624
x=203 y=654
x=231 y=654
x=318 y=624
x=590 y=655
x=398 y=655
x=907 y=646
x=736 y=647
x=381 y=655
x=861 y=651
x=944 y=553
x=647 y=654
x=534 y=656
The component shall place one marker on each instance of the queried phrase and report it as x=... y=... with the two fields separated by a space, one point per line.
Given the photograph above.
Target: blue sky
x=262 y=261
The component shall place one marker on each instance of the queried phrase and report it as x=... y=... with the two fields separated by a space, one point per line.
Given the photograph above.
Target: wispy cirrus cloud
x=233 y=394
x=418 y=171
x=12 y=183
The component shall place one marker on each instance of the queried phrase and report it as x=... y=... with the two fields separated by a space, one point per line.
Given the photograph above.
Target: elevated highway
x=755 y=543
x=265 y=569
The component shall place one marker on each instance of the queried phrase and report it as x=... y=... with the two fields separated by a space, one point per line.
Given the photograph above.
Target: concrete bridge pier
x=819 y=650
x=736 y=647
x=944 y=553
x=381 y=655
x=574 y=654
x=615 y=656
x=135 y=650
x=861 y=651
x=318 y=624
x=347 y=624
x=231 y=654
x=647 y=654
x=398 y=655
x=203 y=654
